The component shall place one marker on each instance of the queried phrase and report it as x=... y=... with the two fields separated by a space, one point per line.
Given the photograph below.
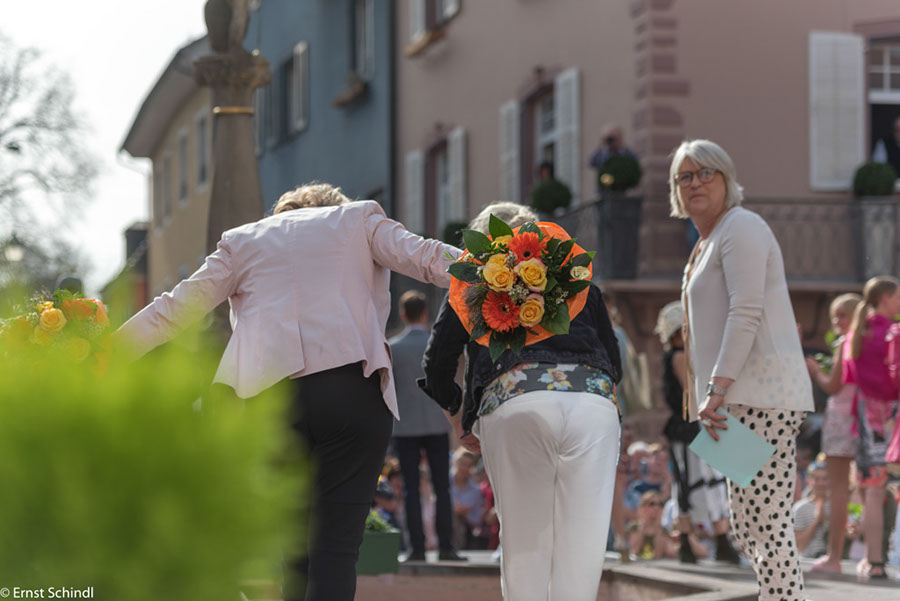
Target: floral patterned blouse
x=528 y=377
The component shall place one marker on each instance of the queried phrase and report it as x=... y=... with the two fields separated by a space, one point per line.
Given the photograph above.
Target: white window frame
x=885 y=94
x=298 y=106
x=202 y=150
x=364 y=42
x=182 y=150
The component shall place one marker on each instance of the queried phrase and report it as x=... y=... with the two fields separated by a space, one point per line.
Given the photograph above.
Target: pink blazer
x=308 y=291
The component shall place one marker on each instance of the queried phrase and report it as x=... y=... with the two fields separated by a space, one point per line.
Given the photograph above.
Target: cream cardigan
x=742 y=323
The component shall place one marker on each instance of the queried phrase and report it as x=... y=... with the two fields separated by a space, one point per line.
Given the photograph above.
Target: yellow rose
x=41 y=337
x=533 y=273
x=580 y=273
x=502 y=239
x=498 y=276
x=78 y=349
x=532 y=311
x=498 y=259
x=52 y=321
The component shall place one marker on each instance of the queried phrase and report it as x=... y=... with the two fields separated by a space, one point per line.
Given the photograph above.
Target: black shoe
x=725 y=552
x=685 y=553
x=415 y=556
x=451 y=555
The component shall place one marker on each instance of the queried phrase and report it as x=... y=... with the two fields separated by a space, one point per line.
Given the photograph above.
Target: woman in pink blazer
x=308 y=289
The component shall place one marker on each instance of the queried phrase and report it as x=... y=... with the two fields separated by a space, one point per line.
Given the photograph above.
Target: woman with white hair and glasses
x=743 y=353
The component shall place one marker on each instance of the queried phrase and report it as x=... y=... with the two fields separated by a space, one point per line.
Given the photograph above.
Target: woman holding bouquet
x=308 y=289
x=547 y=425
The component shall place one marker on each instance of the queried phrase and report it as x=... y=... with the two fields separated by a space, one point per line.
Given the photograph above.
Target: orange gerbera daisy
x=527 y=245
x=500 y=312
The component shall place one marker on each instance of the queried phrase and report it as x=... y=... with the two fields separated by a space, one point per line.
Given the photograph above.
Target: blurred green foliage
x=120 y=484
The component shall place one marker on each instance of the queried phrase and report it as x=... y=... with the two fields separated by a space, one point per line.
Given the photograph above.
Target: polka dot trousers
x=761 y=515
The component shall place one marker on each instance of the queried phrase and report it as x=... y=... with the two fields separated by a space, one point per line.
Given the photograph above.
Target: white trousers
x=551 y=458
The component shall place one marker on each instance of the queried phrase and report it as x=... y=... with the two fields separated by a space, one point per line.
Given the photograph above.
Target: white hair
x=512 y=213
x=706 y=154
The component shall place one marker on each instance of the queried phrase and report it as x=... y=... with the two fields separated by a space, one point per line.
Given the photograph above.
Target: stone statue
x=226 y=21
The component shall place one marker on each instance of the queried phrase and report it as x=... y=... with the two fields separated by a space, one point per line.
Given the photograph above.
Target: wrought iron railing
x=822 y=240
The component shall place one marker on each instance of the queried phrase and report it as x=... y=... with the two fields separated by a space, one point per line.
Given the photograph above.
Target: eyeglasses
x=704 y=174
x=652 y=504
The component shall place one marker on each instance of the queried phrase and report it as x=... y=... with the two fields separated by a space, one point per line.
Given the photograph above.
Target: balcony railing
x=823 y=241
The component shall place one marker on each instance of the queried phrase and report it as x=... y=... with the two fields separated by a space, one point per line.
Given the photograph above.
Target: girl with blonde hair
x=838 y=439
x=865 y=364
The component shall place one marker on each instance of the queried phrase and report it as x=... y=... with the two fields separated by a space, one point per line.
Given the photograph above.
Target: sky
x=114 y=51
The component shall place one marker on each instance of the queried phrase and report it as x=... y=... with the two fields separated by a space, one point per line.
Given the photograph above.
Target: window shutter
x=456 y=155
x=567 y=151
x=414 y=209
x=259 y=119
x=299 y=93
x=416 y=19
x=509 y=151
x=836 y=109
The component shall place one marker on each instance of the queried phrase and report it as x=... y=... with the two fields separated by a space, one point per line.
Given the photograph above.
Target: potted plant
x=873 y=185
x=380 y=547
x=619 y=216
x=549 y=195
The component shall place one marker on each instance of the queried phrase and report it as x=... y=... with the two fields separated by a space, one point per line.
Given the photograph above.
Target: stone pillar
x=236 y=194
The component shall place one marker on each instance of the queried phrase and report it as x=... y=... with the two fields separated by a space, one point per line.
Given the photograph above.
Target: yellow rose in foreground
x=580 y=273
x=533 y=273
x=52 y=321
x=498 y=276
x=41 y=337
x=78 y=349
x=532 y=311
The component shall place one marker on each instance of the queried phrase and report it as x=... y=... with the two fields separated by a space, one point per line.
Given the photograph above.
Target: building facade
x=327 y=114
x=173 y=129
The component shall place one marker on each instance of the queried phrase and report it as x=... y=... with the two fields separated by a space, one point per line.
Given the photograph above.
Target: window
x=364 y=38
x=884 y=67
x=445 y=9
x=297 y=84
x=544 y=128
x=418 y=23
x=158 y=194
x=445 y=182
x=182 y=168
x=428 y=16
x=167 y=188
x=259 y=119
x=202 y=140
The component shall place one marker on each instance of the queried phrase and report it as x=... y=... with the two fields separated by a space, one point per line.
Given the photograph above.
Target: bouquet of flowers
x=62 y=324
x=510 y=289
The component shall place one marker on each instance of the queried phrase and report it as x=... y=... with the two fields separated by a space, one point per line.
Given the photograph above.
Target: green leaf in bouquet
x=564 y=249
x=497 y=346
x=573 y=287
x=551 y=284
x=498 y=227
x=465 y=271
x=478 y=330
x=531 y=227
x=552 y=245
x=476 y=242
x=558 y=323
x=520 y=336
x=582 y=260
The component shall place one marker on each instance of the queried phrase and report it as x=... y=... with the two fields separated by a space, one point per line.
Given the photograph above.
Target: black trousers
x=341 y=418
x=437 y=451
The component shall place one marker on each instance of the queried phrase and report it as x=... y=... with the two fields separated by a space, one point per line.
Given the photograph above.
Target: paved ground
x=478 y=580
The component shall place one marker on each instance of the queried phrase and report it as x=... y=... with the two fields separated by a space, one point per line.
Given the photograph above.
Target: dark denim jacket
x=590 y=341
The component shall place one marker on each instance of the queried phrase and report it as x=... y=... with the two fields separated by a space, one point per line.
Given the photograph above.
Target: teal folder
x=739 y=453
